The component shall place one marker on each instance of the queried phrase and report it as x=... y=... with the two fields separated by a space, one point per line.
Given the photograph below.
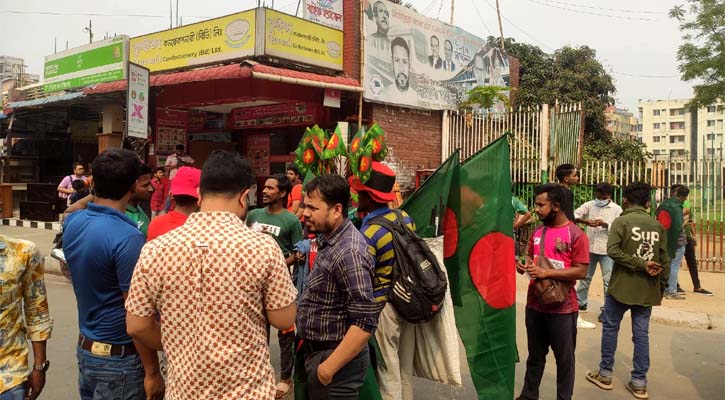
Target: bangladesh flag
x=375 y=138
x=479 y=256
x=335 y=146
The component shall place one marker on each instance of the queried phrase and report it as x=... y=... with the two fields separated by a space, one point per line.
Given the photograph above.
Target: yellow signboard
x=299 y=40
x=202 y=43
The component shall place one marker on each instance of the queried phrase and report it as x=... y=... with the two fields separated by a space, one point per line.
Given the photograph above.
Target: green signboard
x=102 y=61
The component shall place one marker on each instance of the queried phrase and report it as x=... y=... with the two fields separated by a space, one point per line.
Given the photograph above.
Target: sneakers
x=582 y=324
x=703 y=292
x=604 y=382
x=638 y=391
x=674 y=296
x=680 y=290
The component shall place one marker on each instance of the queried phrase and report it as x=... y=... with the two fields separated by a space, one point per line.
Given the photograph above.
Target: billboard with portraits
x=416 y=61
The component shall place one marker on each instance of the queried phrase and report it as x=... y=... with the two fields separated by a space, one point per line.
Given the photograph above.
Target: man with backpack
x=395 y=335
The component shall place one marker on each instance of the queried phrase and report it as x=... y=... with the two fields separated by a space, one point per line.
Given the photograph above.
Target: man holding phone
x=638 y=245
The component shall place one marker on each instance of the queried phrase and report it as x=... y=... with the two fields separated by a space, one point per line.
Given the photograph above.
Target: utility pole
x=500 y=27
x=177 y=12
x=453 y=6
x=171 y=14
x=89 y=29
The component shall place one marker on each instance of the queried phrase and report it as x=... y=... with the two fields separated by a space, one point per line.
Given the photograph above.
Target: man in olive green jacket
x=638 y=245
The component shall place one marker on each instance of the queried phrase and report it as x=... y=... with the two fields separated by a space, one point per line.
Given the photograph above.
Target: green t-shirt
x=284 y=227
x=138 y=216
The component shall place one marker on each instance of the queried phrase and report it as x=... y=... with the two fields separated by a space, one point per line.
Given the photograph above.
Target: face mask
x=549 y=219
x=601 y=203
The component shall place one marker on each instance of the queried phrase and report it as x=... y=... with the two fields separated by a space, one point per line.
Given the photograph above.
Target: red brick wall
x=351 y=27
x=413 y=136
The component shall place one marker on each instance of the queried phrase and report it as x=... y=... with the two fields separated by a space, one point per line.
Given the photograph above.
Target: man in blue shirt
x=102 y=245
x=395 y=336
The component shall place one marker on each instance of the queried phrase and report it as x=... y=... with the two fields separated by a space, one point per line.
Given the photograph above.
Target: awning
x=248 y=69
x=45 y=100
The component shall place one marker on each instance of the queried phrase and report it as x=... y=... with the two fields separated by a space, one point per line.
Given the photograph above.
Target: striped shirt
x=381 y=241
x=339 y=289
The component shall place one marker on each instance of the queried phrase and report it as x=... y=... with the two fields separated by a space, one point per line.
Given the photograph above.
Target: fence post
x=445 y=135
x=544 y=162
x=580 y=153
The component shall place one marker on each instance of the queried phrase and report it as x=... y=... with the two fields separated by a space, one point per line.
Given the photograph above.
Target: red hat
x=186 y=182
x=379 y=186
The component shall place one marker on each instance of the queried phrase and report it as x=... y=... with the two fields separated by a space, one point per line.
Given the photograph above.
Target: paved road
x=686 y=364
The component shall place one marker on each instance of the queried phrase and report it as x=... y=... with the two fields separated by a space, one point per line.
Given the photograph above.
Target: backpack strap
x=398 y=225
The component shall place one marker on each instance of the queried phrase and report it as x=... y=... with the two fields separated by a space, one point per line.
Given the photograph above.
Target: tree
x=485 y=97
x=569 y=75
x=702 y=56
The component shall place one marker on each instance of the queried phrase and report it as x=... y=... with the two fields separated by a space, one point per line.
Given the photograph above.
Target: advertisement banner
x=207 y=42
x=137 y=102
x=325 y=12
x=102 y=61
x=412 y=60
x=274 y=115
x=171 y=128
x=295 y=39
x=257 y=147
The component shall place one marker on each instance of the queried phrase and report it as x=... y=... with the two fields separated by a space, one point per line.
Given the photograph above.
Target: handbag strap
x=542 y=251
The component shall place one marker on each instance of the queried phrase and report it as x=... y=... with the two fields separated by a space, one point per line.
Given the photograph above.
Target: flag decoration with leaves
x=335 y=145
x=311 y=150
x=479 y=257
x=366 y=147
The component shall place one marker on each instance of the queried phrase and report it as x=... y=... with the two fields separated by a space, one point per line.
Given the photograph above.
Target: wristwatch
x=42 y=367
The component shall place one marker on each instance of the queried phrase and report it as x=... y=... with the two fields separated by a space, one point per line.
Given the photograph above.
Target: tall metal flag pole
x=500 y=27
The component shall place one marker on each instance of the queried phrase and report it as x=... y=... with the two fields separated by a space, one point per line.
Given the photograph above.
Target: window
x=656 y=139
x=710 y=136
x=677 y=125
x=677 y=139
x=656 y=151
x=711 y=109
x=677 y=111
x=678 y=153
x=656 y=113
x=656 y=125
x=710 y=123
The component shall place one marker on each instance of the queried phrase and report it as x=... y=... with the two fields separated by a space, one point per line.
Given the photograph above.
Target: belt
x=313 y=346
x=105 y=349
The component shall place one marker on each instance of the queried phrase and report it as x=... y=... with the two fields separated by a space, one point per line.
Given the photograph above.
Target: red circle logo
x=450 y=233
x=492 y=269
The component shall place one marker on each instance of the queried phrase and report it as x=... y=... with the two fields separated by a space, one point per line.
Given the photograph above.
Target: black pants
x=345 y=384
x=692 y=263
x=286 y=353
x=558 y=331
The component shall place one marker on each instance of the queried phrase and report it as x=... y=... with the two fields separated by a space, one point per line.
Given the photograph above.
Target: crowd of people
x=182 y=305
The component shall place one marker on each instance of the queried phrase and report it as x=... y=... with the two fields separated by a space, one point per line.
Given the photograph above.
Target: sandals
x=283 y=389
x=604 y=382
x=638 y=391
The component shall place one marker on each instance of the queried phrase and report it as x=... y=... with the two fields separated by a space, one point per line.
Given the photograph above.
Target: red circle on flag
x=355 y=144
x=492 y=269
x=664 y=219
x=450 y=233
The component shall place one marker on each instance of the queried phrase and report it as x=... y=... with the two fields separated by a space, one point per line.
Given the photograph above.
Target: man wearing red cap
x=185 y=189
x=394 y=335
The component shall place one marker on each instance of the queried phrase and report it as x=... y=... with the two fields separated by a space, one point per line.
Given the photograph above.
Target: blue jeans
x=16 y=393
x=112 y=377
x=613 y=313
x=582 y=288
x=674 y=269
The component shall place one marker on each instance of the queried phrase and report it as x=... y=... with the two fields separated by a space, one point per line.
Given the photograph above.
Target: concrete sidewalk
x=697 y=311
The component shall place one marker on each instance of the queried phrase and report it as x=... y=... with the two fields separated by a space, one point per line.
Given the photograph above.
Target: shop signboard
x=102 y=61
x=203 y=43
x=137 y=102
x=171 y=129
x=296 y=39
x=415 y=61
x=274 y=115
x=325 y=12
x=258 y=148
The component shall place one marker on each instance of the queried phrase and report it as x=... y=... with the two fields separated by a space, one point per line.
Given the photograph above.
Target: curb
x=52 y=266
x=22 y=223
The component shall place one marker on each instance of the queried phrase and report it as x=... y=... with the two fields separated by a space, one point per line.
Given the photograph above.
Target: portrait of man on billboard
x=434 y=59
x=400 y=88
x=448 y=64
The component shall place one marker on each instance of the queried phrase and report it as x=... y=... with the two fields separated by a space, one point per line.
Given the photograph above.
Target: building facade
x=621 y=123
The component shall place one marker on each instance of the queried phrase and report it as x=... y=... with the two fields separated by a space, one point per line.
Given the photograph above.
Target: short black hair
x=637 y=193
x=333 y=189
x=162 y=169
x=604 y=188
x=225 y=173
x=555 y=193
x=184 y=200
x=564 y=170
x=294 y=169
x=399 y=41
x=436 y=38
x=682 y=191
x=75 y=164
x=180 y=147
x=78 y=185
x=145 y=170
x=283 y=183
x=449 y=42
x=115 y=171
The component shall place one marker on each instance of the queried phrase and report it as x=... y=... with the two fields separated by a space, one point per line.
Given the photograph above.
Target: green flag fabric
x=335 y=146
x=427 y=205
x=479 y=257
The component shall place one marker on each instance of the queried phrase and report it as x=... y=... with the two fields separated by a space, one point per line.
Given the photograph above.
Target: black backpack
x=419 y=285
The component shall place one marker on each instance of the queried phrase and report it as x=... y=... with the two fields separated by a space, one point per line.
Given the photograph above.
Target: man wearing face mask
x=597 y=215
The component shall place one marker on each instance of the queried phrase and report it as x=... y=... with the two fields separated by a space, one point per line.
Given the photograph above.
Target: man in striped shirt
x=394 y=335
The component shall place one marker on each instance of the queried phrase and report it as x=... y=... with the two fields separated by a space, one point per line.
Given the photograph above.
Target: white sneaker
x=582 y=324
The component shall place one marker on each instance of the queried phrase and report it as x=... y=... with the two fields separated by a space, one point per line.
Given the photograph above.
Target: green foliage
x=569 y=75
x=702 y=55
x=486 y=97
x=616 y=150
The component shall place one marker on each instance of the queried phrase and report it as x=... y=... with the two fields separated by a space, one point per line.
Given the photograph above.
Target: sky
x=634 y=39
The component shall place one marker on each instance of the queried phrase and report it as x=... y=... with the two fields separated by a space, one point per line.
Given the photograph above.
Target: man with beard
x=337 y=312
x=553 y=325
x=285 y=228
x=401 y=73
x=382 y=19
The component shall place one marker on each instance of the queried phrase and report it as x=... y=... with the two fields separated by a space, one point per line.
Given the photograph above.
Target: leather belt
x=313 y=346
x=105 y=349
